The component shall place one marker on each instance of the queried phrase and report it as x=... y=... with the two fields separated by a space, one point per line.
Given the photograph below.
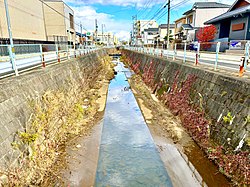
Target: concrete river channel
x=128 y=155
x=122 y=152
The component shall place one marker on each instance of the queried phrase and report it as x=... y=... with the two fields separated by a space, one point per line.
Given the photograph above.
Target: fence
x=30 y=56
x=209 y=53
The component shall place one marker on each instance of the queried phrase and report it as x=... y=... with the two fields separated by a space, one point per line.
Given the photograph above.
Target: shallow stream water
x=128 y=155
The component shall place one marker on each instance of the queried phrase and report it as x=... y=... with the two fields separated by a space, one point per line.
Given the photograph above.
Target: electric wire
x=62 y=14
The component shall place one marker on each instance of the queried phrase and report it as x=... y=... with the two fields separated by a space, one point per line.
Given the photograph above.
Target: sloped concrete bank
x=17 y=95
x=214 y=108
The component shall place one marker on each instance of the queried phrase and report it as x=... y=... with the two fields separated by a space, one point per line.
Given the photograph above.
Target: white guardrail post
x=197 y=58
x=12 y=56
x=58 y=54
x=42 y=56
x=217 y=56
x=68 y=57
x=246 y=55
x=175 y=51
x=185 y=52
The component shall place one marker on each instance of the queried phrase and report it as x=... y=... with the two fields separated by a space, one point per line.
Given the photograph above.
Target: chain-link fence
x=4 y=51
x=27 y=49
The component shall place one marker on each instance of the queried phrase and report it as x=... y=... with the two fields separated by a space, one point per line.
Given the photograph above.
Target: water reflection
x=128 y=156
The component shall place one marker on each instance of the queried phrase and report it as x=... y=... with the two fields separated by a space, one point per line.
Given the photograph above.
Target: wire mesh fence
x=27 y=49
x=4 y=51
x=28 y=56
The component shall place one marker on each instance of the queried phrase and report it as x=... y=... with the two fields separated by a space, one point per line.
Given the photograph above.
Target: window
x=71 y=19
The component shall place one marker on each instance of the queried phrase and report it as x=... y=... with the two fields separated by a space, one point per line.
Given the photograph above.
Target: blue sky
x=116 y=15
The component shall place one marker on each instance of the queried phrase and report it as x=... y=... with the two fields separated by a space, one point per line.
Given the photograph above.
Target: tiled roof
x=151 y=30
x=166 y=26
x=187 y=27
x=200 y=5
x=226 y=15
x=210 y=5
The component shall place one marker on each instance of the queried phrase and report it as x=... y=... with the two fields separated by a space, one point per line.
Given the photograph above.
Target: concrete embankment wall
x=219 y=94
x=17 y=93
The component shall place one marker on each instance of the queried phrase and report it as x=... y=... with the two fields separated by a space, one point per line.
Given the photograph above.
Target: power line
x=174 y=7
x=61 y=14
x=157 y=13
x=149 y=2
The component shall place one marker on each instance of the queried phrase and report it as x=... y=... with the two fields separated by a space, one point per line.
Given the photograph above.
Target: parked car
x=193 y=46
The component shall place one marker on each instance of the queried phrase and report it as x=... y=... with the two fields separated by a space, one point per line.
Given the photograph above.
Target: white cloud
x=86 y=13
x=139 y=3
x=136 y=3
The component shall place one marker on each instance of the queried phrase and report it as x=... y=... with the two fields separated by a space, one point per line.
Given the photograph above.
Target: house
x=234 y=24
x=59 y=22
x=179 y=33
x=163 y=29
x=27 y=22
x=139 y=27
x=149 y=36
x=193 y=19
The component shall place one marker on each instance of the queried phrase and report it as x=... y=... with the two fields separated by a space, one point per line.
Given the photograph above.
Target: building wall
x=27 y=20
x=55 y=23
x=141 y=25
x=217 y=25
x=163 y=32
x=203 y=15
x=70 y=27
x=179 y=23
x=241 y=34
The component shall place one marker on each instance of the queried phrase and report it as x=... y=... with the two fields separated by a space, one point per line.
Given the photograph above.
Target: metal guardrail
x=30 y=56
x=201 y=55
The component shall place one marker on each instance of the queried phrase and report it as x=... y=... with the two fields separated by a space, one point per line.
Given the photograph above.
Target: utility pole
x=134 y=35
x=81 y=40
x=96 y=30
x=11 y=49
x=133 y=32
x=168 y=31
x=136 y=30
x=108 y=39
x=102 y=34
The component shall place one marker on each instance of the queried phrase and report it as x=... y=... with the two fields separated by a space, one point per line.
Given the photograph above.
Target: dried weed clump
x=58 y=116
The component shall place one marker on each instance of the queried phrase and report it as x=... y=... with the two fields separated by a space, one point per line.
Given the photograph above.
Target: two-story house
x=193 y=19
x=163 y=30
x=149 y=36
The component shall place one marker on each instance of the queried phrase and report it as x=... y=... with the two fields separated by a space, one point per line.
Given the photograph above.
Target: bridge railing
x=30 y=56
x=217 y=55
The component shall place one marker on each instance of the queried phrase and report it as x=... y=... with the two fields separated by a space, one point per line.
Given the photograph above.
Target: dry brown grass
x=58 y=116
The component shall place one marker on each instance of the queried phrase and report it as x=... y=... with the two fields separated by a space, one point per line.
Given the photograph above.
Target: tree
x=206 y=34
x=170 y=38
